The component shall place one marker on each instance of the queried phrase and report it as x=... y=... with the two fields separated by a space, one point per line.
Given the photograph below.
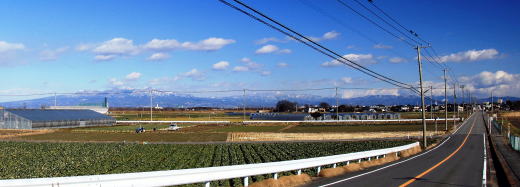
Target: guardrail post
x=275 y=176
x=246 y=181
x=334 y=165
x=377 y=157
x=384 y=156
x=368 y=158
x=299 y=172
x=359 y=160
x=318 y=170
x=207 y=184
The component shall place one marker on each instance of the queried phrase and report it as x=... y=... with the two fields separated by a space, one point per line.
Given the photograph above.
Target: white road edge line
x=397 y=163
x=353 y=177
x=484 y=174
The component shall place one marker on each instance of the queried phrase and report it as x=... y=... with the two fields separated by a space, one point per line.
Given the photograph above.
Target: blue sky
x=69 y=46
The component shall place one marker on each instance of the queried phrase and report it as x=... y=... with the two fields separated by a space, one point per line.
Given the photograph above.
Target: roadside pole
x=244 y=107
x=431 y=102
x=151 y=105
x=418 y=48
x=455 y=106
x=445 y=101
x=337 y=105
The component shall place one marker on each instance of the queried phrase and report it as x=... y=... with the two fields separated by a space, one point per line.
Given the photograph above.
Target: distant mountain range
x=258 y=100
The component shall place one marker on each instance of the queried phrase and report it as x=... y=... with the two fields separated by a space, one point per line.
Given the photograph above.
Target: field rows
x=32 y=160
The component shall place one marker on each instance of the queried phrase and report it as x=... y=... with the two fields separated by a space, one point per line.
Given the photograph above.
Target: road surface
x=458 y=161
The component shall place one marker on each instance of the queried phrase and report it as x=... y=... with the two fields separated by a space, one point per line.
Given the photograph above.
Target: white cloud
x=7 y=47
x=382 y=46
x=158 y=57
x=210 y=44
x=267 y=49
x=160 y=45
x=270 y=39
x=282 y=65
x=133 y=76
x=85 y=47
x=470 y=56
x=104 y=57
x=222 y=65
x=272 y=49
x=346 y=80
x=265 y=73
x=115 y=82
x=240 y=68
x=52 y=54
x=330 y=35
x=194 y=74
x=363 y=59
x=117 y=46
x=397 y=60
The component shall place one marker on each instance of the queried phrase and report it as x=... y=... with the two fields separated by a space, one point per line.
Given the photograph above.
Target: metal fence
x=515 y=142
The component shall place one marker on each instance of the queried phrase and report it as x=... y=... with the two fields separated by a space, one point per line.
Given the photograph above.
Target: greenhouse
x=41 y=118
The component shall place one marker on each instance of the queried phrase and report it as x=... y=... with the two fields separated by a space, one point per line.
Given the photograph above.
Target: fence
x=202 y=175
x=514 y=141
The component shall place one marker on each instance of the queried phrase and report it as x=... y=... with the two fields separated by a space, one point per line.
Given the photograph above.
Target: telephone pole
x=55 y=100
x=445 y=100
x=418 y=48
x=456 y=107
x=151 y=105
x=244 y=107
x=337 y=105
x=431 y=102
x=463 y=100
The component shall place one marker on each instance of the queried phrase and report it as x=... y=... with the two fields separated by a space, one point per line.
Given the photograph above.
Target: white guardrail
x=201 y=175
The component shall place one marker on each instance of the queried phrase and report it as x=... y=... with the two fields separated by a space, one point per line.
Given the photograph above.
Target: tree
x=285 y=106
x=316 y=115
x=324 y=105
x=345 y=108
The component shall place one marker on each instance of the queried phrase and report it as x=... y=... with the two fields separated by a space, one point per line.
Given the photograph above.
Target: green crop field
x=32 y=160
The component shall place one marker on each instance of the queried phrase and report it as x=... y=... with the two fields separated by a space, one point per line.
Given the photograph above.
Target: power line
x=319 y=47
x=404 y=34
x=413 y=33
x=342 y=23
x=376 y=24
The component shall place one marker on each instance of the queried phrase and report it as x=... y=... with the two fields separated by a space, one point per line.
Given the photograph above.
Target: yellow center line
x=441 y=162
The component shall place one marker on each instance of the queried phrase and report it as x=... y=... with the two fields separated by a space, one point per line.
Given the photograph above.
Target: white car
x=173 y=127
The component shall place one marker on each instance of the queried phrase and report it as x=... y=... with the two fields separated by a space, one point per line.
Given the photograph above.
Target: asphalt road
x=455 y=162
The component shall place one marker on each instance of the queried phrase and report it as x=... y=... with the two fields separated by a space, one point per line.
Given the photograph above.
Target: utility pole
x=431 y=102
x=445 y=100
x=244 y=107
x=491 y=103
x=55 y=100
x=455 y=106
x=151 y=105
x=463 y=99
x=337 y=105
x=418 y=48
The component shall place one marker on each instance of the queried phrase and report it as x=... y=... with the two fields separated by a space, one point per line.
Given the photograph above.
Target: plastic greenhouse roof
x=40 y=115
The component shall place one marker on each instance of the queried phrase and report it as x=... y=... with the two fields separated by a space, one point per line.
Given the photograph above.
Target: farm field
x=209 y=132
x=32 y=160
x=512 y=118
x=177 y=115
